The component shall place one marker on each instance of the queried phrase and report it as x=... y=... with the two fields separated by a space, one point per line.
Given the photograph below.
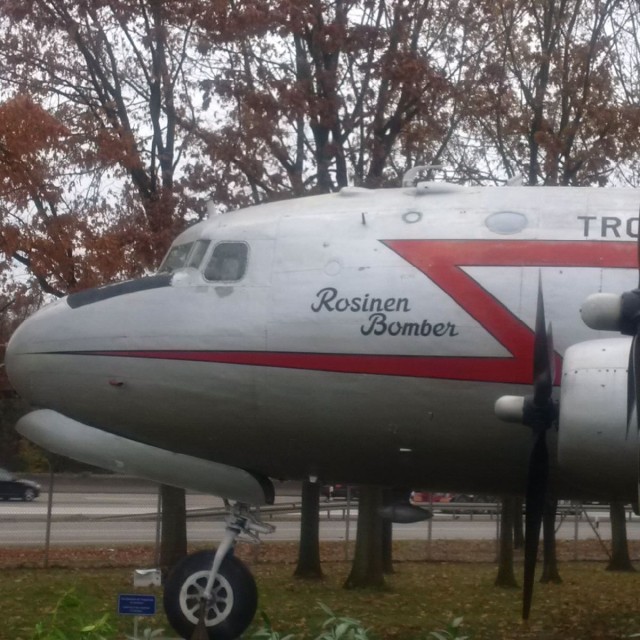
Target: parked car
x=14 y=488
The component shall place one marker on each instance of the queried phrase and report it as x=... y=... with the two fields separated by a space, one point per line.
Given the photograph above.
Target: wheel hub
x=218 y=607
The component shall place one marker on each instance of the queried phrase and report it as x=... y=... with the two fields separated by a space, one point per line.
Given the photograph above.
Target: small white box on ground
x=147 y=578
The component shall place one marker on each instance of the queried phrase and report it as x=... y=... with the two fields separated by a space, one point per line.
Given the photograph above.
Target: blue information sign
x=134 y=604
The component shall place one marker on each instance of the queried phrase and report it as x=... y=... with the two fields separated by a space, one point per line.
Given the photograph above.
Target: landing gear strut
x=216 y=585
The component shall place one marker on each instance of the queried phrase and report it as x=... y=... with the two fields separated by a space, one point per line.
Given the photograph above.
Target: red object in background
x=420 y=497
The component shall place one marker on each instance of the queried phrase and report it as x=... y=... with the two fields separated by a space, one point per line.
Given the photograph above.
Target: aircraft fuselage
x=365 y=339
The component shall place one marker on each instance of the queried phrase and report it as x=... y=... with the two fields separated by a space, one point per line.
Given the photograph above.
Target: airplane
x=387 y=337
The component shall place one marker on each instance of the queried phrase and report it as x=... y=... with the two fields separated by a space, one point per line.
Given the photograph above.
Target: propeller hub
x=539 y=416
x=510 y=409
x=613 y=312
x=630 y=316
x=602 y=311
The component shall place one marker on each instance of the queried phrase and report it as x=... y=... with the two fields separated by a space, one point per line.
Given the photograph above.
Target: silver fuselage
x=367 y=341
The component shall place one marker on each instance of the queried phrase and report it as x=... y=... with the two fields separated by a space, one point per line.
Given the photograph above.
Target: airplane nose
x=12 y=360
x=42 y=355
x=16 y=359
x=40 y=360
x=24 y=348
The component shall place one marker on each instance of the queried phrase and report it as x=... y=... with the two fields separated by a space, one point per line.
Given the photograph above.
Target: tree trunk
x=387 y=546
x=506 y=576
x=309 y=549
x=518 y=524
x=620 y=560
x=173 y=545
x=367 y=567
x=387 y=535
x=549 y=557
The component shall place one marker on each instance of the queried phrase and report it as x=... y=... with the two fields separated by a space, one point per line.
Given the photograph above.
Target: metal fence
x=111 y=511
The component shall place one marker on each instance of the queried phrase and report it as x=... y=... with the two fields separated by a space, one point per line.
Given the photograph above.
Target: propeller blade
x=638 y=255
x=539 y=414
x=551 y=355
x=631 y=383
x=543 y=357
x=634 y=382
x=537 y=481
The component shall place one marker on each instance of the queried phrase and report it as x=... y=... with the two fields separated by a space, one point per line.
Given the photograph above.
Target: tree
x=620 y=559
x=389 y=497
x=309 y=549
x=367 y=569
x=335 y=91
x=173 y=538
x=38 y=228
x=518 y=523
x=550 y=106
x=115 y=84
x=118 y=83
x=550 y=571
x=506 y=575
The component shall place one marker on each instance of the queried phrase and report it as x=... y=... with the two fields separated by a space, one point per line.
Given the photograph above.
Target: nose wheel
x=213 y=591
x=230 y=608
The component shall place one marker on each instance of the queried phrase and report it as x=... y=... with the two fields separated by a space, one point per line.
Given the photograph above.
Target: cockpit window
x=228 y=262
x=197 y=253
x=176 y=258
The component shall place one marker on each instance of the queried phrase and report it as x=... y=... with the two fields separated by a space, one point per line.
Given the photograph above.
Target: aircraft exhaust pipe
x=59 y=434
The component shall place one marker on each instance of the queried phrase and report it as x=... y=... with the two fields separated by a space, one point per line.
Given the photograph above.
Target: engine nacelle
x=597 y=449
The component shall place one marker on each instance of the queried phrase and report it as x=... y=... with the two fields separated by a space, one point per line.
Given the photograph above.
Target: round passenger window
x=506 y=222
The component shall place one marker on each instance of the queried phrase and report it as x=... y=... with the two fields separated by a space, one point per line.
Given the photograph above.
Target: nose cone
x=16 y=358
x=12 y=362
x=46 y=358
x=24 y=347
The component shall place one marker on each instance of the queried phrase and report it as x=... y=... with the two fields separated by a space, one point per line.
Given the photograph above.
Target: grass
x=29 y=596
x=591 y=604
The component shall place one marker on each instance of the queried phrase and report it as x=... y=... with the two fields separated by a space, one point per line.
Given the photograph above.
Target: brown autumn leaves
x=119 y=119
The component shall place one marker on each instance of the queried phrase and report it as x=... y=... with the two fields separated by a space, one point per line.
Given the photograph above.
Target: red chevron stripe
x=442 y=261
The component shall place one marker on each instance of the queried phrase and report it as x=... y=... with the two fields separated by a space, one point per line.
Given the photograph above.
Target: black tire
x=235 y=596
x=28 y=495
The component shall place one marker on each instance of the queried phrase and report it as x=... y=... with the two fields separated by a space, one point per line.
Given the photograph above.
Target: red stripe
x=441 y=261
x=480 y=369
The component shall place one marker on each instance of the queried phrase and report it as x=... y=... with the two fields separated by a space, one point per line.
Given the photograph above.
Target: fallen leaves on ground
x=473 y=551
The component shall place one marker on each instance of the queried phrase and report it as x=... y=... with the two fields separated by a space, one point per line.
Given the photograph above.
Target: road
x=118 y=516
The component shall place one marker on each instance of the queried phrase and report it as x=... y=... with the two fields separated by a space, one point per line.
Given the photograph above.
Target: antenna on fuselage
x=212 y=212
x=410 y=178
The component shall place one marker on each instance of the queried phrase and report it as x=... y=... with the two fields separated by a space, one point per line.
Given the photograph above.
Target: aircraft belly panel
x=378 y=429
x=341 y=427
